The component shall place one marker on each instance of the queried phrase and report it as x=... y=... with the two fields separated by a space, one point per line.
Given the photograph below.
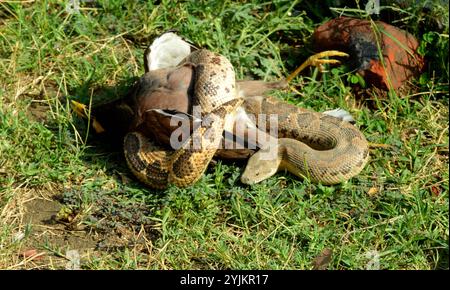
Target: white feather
x=341 y=114
x=168 y=50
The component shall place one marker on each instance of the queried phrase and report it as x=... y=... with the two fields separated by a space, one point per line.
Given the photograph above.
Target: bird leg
x=83 y=112
x=259 y=88
x=317 y=61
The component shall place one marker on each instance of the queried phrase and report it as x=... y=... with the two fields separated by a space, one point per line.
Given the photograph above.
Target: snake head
x=262 y=165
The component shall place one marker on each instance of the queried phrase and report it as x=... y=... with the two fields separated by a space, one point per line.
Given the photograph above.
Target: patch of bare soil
x=38 y=112
x=60 y=228
x=42 y=216
x=49 y=239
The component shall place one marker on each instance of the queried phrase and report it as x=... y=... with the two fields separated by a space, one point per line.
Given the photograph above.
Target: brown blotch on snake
x=133 y=148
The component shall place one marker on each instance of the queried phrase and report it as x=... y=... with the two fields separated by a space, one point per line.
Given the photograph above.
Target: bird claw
x=79 y=109
x=328 y=53
x=82 y=111
x=318 y=61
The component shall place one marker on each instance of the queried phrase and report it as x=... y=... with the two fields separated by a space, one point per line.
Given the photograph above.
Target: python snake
x=319 y=147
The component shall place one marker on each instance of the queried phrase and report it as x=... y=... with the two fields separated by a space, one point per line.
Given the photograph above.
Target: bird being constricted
x=318 y=146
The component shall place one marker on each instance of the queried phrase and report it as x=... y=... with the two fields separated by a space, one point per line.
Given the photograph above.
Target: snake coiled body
x=215 y=80
x=215 y=94
x=314 y=145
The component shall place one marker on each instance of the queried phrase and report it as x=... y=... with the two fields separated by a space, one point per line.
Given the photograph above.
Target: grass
x=62 y=189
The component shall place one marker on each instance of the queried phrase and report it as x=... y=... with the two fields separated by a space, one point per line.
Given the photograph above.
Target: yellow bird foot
x=82 y=111
x=79 y=109
x=318 y=61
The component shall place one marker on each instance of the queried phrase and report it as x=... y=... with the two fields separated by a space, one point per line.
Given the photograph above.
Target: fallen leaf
x=436 y=191
x=32 y=254
x=372 y=191
x=29 y=253
x=321 y=262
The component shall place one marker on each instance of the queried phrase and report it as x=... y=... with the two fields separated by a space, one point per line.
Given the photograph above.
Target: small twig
x=136 y=67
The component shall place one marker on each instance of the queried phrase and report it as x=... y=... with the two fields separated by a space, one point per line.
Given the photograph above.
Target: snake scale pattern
x=215 y=93
x=319 y=147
